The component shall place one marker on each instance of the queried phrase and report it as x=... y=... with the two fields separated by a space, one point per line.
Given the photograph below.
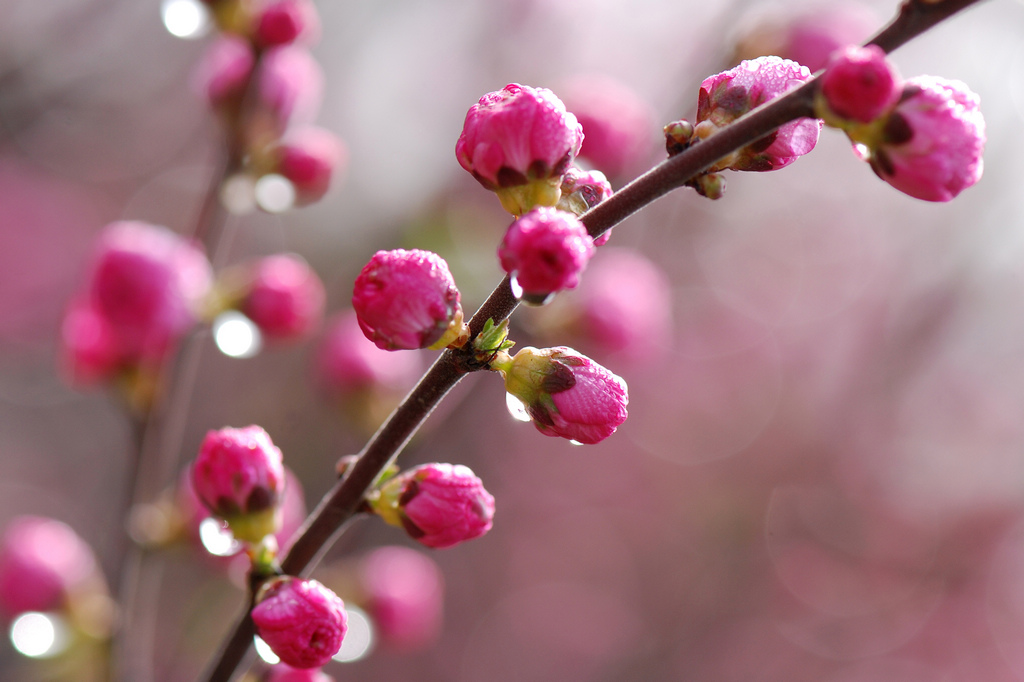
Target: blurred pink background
x=821 y=479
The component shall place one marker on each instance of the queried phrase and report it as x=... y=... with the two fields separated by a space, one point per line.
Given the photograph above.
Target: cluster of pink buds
x=924 y=136
x=239 y=476
x=302 y=621
x=438 y=505
x=565 y=393
x=408 y=299
x=261 y=78
x=145 y=288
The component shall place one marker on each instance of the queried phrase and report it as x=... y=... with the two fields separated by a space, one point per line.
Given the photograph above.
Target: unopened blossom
x=583 y=190
x=617 y=123
x=285 y=297
x=404 y=592
x=147 y=284
x=931 y=145
x=439 y=505
x=408 y=299
x=42 y=563
x=302 y=621
x=565 y=393
x=545 y=251
x=309 y=157
x=90 y=351
x=280 y=22
x=726 y=96
x=859 y=84
x=222 y=73
x=291 y=84
x=517 y=142
x=346 y=361
x=239 y=476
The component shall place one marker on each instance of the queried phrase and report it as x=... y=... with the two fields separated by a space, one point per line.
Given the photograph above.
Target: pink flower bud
x=348 y=362
x=811 y=37
x=617 y=123
x=286 y=673
x=291 y=84
x=285 y=298
x=90 y=351
x=439 y=505
x=407 y=299
x=287 y=21
x=147 y=283
x=545 y=251
x=566 y=393
x=42 y=562
x=239 y=476
x=626 y=306
x=302 y=621
x=309 y=157
x=932 y=144
x=860 y=84
x=728 y=95
x=518 y=134
x=405 y=593
x=583 y=190
x=223 y=71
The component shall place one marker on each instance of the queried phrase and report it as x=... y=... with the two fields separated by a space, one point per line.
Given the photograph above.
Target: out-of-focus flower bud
x=42 y=564
x=545 y=251
x=348 y=362
x=291 y=85
x=286 y=21
x=302 y=621
x=859 y=84
x=147 y=283
x=583 y=190
x=239 y=476
x=309 y=158
x=565 y=393
x=408 y=299
x=931 y=145
x=726 y=96
x=284 y=297
x=90 y=352
x=517 y=142
x=439 y=505
x=617 y=123
x=223 y=72
x=405 y=596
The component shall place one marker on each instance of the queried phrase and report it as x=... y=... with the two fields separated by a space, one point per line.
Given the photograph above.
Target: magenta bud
x=347 y=361
x=285 y=298
x=404 y=595
x=518 y=134
x=222 y=73
x=566 y=393
x=545 y=251
x=286 y=21
x=302 y=621
x=932 y=143
x=408 y=299
x=42 y=563
x=291 y=84
x=239 y=476
x=860 y=84
x=726 y=96
x=90 y=352
x=617 y=123
x=439 y=505
x=309 y=158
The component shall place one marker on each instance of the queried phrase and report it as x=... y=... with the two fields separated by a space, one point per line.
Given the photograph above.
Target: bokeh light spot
x=236 y=335
x=359 y=638
x=275 y=193
x=516 y=408
x=187 y=19
x=39 y=635
x=264 y=651
x=217 y=538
